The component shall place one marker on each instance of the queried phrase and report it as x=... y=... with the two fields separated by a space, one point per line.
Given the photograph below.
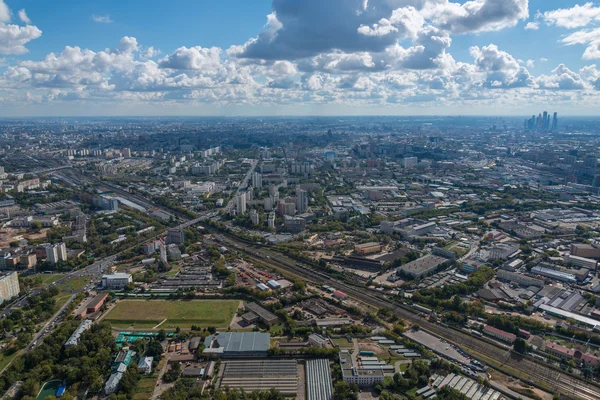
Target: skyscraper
x=555 y=121
x=545 y=121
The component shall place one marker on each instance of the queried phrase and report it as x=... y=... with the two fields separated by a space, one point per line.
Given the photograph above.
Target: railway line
x=526 y=369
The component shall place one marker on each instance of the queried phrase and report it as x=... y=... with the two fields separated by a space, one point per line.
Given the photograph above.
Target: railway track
x=526 y=369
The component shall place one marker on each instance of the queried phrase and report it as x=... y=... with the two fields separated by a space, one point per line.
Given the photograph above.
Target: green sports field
x=145 y=314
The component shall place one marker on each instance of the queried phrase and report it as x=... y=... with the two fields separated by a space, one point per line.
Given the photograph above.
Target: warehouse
x=318 y=380
x=97 y=302
x=237 y=344
x=554 y=274
x=252 y=375
x=423 y=266
x=265 y=315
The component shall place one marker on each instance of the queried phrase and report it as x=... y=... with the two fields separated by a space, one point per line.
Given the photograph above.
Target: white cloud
x=562 y=78
x=575 y=17
x=102 y=19
x=4 y=12
x=476 y=15
x=501 y=69
x=532 y=26
x=591 y=38
x=13 y=38
x=23 y=17
x=150 y=52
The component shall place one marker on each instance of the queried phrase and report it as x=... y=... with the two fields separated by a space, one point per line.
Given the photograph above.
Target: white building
x=254 y=217
x=241 y=203
x=9 y=286
x=271 y=220
x=112 y=384
x=145 y=365
x=55 y=253
x=257 y=180
x=116 y=281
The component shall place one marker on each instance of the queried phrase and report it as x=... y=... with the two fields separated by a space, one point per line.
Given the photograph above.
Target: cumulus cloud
x=23 y=17
x=501 y=69
x=102 y=19
x=193 y=58
x=575 y=17
x=562 y=78
x=532 y=26
x=13 y=38
x=476 y=15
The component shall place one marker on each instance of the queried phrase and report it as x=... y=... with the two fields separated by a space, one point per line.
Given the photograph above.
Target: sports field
x=145 y=314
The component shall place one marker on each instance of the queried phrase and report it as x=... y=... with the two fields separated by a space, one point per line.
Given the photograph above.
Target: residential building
x=301 y=200
x=75 y=336
x=176 y=236
x=112 y=384
x=271 y=220
x=241 y=203
x=254 y=217
x=145 y=365
x=28 y=261
x=294 y=225
x=56 y=253
x=410 y=162
x=9 y=286
x=257 y=180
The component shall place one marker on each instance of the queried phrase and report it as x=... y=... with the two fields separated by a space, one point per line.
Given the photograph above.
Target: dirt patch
x=519 y=387
x=377 y=349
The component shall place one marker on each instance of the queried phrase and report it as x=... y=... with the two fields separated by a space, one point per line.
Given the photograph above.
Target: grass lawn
x=144 y=314
x=5 y=359
x=145 y=387
x=74 y=284
x=61 y=299
x=343 y=343
x=47 y=279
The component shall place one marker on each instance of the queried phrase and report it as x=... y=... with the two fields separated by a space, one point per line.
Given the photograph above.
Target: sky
x=298 y=57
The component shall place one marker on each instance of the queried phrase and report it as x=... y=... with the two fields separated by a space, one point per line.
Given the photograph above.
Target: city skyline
x=377 y=57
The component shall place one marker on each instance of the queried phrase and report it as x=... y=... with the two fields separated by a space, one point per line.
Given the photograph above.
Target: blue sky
x=264 y=57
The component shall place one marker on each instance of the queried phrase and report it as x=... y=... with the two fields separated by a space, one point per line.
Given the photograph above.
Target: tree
x=154 y=349
x=520 y=346
x=162 y=335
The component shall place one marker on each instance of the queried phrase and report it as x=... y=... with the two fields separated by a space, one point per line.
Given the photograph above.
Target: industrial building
x=367 y=248
x=519 y=278
x=97 y=302
x=500 y=334
x=74 y=338
x=554 y=274
x=318 y=380
x=263 y=314
x=581 y=262
x=9 y=286
x=237 y=345
x=421 y=267
x=253 y=375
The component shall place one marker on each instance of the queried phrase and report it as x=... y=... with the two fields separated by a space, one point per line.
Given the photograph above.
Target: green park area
x=145 y=314
x=47 y=279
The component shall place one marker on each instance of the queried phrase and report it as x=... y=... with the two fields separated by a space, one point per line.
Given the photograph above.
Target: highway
x=527 y=369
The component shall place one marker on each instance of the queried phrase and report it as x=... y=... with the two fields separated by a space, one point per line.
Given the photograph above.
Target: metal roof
x=318 y=380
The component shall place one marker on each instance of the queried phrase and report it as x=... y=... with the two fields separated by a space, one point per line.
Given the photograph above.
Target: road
x=242 y=186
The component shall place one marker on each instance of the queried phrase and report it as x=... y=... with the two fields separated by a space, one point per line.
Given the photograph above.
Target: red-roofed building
x=524 y=334
x=589 y=360
x=500 y=334
x=563 y=352
x=340 y=295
